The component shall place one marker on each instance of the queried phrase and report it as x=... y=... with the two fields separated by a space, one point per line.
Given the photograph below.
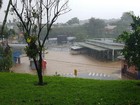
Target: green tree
x=95 y=27
x=34 y=16
x=5 y=58
x=74 y=31
x=74 y=20
x=5 y=51
x=123 y=24
x=5 y=32
x=131 y=39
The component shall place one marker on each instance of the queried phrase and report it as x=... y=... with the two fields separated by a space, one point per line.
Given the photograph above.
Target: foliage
x=75 y=31
x=33 y=17
x=5 y=59
x=11 y=32
x=32 y=48
x=123 y=24
x=80 y=34
x=5 y=33
x=95 y=28
x=131 y=39
x=72 y=21
x=66 y=91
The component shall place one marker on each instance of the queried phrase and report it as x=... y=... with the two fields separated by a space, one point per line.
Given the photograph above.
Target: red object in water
x=44 y=63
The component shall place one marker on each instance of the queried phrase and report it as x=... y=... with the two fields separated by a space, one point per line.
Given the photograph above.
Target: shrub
x=5 y=58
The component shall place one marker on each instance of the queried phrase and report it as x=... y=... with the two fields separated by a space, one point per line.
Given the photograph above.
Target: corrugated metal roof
x=112 y=46
x=76 y=47
x=92 y=47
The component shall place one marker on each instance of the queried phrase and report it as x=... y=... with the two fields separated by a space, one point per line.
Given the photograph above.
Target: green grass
x=19 y=89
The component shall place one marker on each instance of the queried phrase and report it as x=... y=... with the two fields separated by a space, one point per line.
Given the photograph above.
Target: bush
x=5 y=58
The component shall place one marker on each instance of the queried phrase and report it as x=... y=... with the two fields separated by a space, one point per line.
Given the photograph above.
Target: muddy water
x=63 y=62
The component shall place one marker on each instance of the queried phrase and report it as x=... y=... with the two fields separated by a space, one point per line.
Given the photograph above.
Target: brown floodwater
x=63 y=62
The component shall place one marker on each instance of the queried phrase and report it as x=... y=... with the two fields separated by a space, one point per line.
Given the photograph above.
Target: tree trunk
x=138 y=75
x=40 y=69
x=38 y=65
x=40 y=77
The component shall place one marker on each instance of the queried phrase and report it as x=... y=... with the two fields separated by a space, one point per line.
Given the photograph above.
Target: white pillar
x=113 y=55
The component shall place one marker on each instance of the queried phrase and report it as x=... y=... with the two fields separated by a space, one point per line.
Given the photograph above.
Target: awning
x=76 y=47
x=106 y=45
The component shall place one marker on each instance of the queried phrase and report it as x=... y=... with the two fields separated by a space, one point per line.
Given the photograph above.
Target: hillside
x=19 y=89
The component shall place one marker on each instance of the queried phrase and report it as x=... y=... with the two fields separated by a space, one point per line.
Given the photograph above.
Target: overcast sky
x=103 y=9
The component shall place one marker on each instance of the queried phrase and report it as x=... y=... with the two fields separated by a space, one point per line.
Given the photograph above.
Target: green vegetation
x=32 y=22
x=19 y=89
x=95 y=28
x=123 y=24
x=5 y=58
x=131 y=39
x=92 y=28
x=74 y=20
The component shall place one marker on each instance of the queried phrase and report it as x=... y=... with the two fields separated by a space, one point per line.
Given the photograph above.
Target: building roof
x=92 y=47
x=20 y=46
x=106 y=45
x=110 y=27
x=76 y=47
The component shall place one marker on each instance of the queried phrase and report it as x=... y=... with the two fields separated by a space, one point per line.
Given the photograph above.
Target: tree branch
x=20 y=17
x=5 y=19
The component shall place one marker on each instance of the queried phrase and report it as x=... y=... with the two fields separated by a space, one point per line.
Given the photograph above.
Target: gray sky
x=103 y=9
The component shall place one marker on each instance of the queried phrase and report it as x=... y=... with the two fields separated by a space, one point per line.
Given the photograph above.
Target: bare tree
x=1 y=3
x=5 y=18
x=34 y=15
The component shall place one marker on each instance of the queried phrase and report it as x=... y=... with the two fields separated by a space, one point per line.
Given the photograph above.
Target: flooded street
x=63 y=63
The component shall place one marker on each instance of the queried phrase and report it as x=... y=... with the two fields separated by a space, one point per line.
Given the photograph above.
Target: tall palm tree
x=0 y=3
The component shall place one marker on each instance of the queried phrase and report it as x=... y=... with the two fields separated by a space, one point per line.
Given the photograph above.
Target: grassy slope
x=18 y=89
